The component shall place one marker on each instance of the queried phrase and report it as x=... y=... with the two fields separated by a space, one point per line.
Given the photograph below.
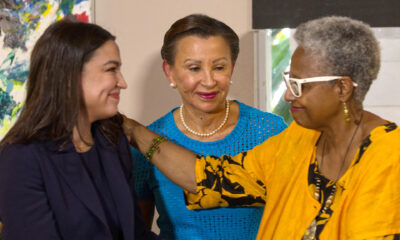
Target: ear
x=345 y=89
x=168 y=72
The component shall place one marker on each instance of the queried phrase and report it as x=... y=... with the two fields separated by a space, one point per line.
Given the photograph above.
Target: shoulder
x=296 y=137
x=162 y=123
x=253 y=112
x=261 y=120
x=21 y=157
x=384 y=140
x=21 y=150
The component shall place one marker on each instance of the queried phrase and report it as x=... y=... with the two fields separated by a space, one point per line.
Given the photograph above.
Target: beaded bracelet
x=154 y=147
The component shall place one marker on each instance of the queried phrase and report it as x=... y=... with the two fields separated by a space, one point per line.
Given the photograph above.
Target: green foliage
x=280 y=61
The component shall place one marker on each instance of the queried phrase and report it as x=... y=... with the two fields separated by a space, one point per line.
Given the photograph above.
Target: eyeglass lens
x=294 y=87
x=291 y=84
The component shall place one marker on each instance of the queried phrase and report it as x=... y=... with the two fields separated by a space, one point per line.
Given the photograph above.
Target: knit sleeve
x=276 y=124
x=233 y=181
x=142 y=170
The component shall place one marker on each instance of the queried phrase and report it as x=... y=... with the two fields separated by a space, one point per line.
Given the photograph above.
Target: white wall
x=384 y=95
x=140 y=27
x=383 y=98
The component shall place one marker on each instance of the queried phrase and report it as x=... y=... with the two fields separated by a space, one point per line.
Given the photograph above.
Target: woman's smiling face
x=102 y=81
x=319 y=103
x=202 y=72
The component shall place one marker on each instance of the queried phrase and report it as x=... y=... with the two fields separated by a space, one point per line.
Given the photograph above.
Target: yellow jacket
x=366 y=203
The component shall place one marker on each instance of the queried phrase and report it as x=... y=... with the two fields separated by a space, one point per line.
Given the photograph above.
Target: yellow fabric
x=366 y=204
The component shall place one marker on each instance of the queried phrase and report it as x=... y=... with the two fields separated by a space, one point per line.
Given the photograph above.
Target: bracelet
x=154 y=147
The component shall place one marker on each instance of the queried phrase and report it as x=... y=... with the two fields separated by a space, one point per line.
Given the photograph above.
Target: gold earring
x=347 y=117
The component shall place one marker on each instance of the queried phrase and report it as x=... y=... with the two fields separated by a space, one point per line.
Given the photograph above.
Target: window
x=273 y=48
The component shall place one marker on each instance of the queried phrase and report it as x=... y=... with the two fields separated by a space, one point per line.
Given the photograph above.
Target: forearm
x=175 y=162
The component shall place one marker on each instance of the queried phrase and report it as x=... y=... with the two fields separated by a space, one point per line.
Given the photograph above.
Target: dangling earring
x=172 y=85
x=347 y=117
x=231 y=82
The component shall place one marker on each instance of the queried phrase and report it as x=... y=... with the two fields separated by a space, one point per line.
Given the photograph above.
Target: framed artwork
x=21 y=24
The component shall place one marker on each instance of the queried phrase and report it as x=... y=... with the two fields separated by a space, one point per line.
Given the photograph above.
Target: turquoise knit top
x=175 y=220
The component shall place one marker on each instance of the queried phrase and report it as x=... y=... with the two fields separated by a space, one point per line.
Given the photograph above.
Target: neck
x=338 y=145
x=82 y=136
x=201 y=122
x=338 y=130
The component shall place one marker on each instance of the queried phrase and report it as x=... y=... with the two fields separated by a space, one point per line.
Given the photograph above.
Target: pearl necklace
x=205 y=134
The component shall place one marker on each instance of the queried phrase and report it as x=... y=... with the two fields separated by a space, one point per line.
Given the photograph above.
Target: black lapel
x=72 y=170
x=119 y=187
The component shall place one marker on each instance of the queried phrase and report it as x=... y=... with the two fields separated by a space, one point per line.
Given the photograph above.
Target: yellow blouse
x=366 y=204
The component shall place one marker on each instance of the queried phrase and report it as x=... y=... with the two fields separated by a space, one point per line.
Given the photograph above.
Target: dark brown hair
x=197 y=25
x=54 y=94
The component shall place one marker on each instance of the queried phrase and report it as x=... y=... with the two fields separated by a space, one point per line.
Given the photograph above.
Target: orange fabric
x=366 y=204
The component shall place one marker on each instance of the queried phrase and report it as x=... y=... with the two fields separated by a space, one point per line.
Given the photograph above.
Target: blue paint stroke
x=66 y=7
x=79 y=1
x=7 y=104
x=18 y=73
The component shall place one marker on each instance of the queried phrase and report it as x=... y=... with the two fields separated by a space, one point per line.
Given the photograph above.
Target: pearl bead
x=205 y=134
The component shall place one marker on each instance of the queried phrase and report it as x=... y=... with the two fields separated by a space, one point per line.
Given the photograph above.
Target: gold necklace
x=205 y=134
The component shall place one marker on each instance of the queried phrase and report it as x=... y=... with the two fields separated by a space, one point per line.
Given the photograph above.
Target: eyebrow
x=114 y=62
x=221 y=58
x=193 y=60
x=198 y=61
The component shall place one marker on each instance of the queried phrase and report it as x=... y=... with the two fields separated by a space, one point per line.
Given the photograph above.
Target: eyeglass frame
x=300 y=81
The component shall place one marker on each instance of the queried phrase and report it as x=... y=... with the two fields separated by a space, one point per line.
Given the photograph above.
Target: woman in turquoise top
x=199 y=55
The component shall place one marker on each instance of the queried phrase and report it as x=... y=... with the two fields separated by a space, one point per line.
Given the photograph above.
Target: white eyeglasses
x=294 y=84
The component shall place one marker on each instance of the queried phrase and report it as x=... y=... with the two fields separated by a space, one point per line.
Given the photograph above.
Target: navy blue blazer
x=47 y=194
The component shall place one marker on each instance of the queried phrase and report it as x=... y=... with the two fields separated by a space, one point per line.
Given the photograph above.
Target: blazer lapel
x=119 y=187
x=71 y=168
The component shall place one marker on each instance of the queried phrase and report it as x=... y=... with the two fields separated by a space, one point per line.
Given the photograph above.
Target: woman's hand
x=129 y=127
x=175 y=162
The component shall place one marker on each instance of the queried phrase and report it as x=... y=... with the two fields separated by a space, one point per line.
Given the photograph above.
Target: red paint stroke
x=82 y=17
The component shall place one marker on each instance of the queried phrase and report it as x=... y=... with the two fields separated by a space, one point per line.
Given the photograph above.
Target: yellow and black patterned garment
x=233 y=190
x=326 y=190
x=281 y=174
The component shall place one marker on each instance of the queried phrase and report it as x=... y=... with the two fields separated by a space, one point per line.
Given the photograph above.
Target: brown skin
x=102 y=82
x=180 y=170
x=175 y=162
x=321 y=107
x=201 y=66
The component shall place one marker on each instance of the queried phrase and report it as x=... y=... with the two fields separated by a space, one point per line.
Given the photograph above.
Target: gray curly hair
x=349 y=47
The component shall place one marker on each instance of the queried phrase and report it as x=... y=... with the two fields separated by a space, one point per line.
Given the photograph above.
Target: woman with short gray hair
x=350 y=49
x=333 y=174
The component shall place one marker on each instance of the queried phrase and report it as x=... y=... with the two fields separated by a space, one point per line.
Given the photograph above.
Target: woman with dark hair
x=332 y=174
x=199 y=54
x=65 y=164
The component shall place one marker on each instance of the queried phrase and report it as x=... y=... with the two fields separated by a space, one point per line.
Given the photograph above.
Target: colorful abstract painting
x=21 y=24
